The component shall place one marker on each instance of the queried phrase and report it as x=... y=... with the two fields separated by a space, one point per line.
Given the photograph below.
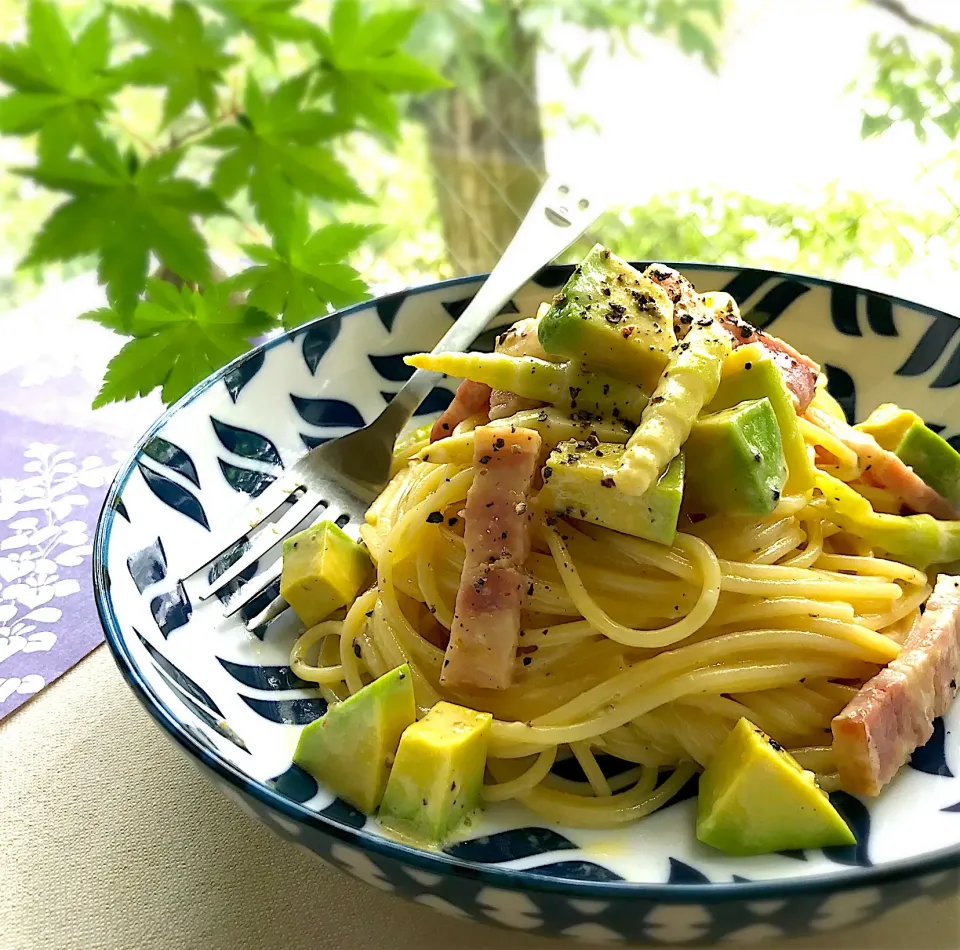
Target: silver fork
x=341 y=478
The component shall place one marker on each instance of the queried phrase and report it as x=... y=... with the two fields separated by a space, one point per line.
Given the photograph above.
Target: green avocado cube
x=934 y=460
x=323 y=570
x=749 y=372
x=735 y=462
x=611 y=315
x=352 y=746
x=575 y=485
x=437 y=777
x=755 y=798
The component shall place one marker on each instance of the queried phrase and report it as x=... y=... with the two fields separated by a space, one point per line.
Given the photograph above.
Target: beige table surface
x=111 y=838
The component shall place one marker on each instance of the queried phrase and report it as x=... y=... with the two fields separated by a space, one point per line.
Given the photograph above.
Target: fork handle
x=558 y=216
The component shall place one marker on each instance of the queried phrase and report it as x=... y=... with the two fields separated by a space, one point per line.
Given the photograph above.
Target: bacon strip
x=470 y=399
x=486 y=623
x=893 y=713
x=884 y=469
x=799 y=372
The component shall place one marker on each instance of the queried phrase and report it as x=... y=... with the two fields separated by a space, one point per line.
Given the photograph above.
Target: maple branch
x=900 y=11
x=177 y=140
x=139 y=139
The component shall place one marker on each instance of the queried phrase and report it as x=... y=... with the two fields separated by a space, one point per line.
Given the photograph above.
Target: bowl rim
x=436 y=861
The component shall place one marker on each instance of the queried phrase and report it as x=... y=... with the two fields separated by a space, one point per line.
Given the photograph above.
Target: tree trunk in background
x=486 y=154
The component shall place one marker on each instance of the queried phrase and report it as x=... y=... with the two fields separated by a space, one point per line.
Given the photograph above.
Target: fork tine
x=267 y=539
x=252 y=516
x=254 y=588
x=271 y=611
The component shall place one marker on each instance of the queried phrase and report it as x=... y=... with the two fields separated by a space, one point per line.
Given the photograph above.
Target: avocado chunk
x=888 y=424
x=323 y=570
x=749 y=372
x=735 y=462
x=438 y=773
x=755 y=798
x=608 y=313
x=575 y=484
x=352 y=746
x=934 y=460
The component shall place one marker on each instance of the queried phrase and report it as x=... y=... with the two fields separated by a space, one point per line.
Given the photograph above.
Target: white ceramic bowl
x=229 y=700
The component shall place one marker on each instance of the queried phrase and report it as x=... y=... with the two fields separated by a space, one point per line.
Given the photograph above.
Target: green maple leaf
x=278 y=148
x=363 y=67
x=180 y=337
x=264 y=20
x=122 y=211
x=303 y=274
x=59 y=86
x=183 y=55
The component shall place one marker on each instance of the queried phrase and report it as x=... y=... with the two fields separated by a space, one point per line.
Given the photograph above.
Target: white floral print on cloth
x=42 y=546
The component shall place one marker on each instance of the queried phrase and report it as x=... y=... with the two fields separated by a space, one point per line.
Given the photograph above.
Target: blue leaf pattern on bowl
x=855 y=814
x=312 y=441
x=746 y=284
x=391 y=367
x=387 y=308
x=773 y=304
x=949 y=376
x=148 y=566
x=456 y=307
x=681 y=873
x=175 y=675
x=219 y=726
x=174 y=495
x=841 y=386
x=575 y=870
x=510 y=845
x=296 y=784
x=930 y=347
x=880 y=315
x=171 y=610
x=264 y=677
x=236 y=378
x=246 y=443
x=291 y=712
x=171 y=456
x=343 y=813
x=437 y=400
x=932 y=758
x=327 y=412
x=317 y=339
x=121 y=509
x=843 y=311
x=248 y=481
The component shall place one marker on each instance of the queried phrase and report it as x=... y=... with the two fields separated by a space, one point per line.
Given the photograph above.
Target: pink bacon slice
x=486 y=624
x=883 y=469
x=893 y=713
x=470 y=399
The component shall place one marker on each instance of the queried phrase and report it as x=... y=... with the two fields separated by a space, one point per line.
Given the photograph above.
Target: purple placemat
x=57 y=457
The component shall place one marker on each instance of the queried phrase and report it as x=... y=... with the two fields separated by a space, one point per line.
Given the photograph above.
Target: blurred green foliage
x=305 y=143
x=915 y=81
x=135 y=199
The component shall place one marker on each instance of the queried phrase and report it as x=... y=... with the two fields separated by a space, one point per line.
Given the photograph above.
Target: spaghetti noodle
x=629 y=649
x=636 y=659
